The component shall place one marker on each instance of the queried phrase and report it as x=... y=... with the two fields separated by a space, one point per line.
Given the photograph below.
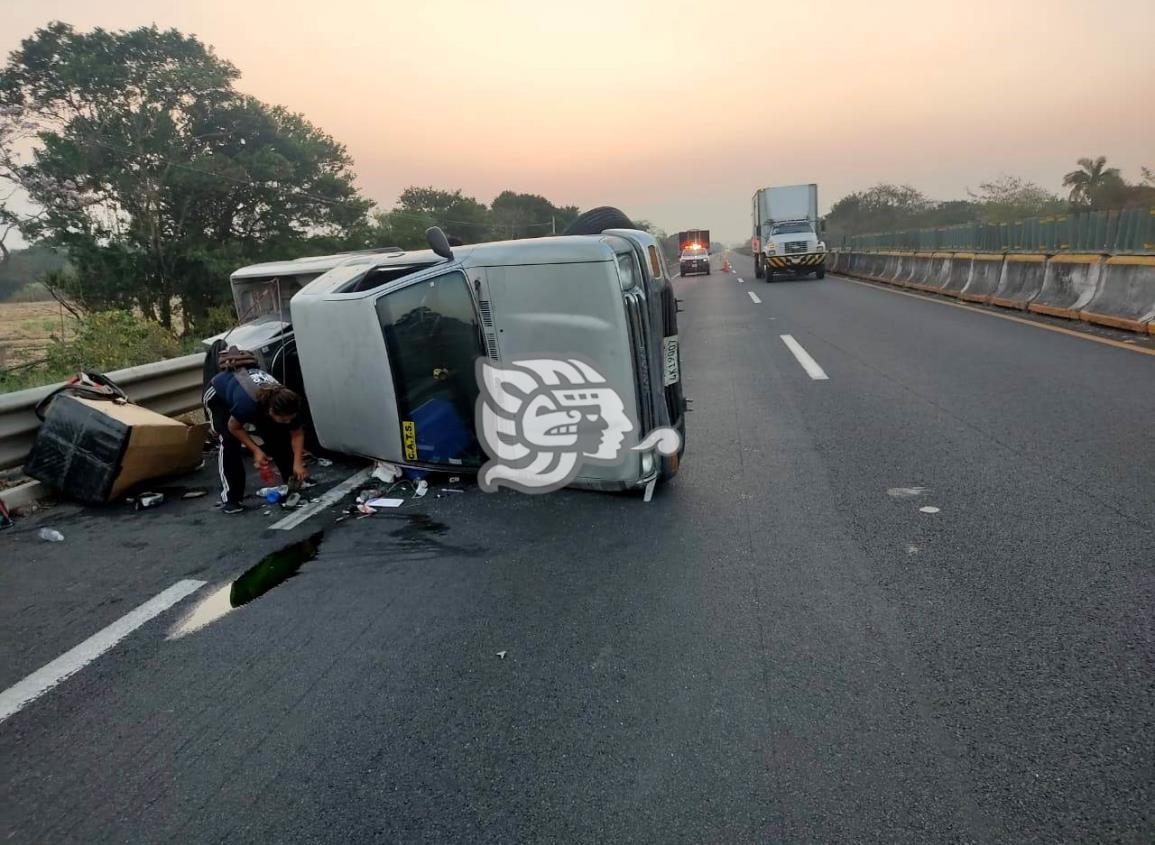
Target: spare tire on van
x=597 y=220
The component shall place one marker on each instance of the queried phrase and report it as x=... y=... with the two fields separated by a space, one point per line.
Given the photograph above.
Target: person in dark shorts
x=273 y=409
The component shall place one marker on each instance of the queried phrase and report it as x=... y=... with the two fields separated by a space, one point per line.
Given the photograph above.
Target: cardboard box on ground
x=96 y=451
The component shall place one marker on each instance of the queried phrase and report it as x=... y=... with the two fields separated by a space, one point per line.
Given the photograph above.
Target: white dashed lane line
x=13 y=699
x=809 y=364
x=754 y=296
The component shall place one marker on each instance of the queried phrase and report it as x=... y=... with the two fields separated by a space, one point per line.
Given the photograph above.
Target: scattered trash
x=365 y=509
x=195 y=494
x=50 y=535
x=149 y=500
x=293 y=500
x=911 y=549
x=5 y=517
x=324 y=462
x=385 y=503
x=422 y=489
x=502 y=654
x=454 y=479
x=387 y=472
x=367 y=494
x=929 y=509
x=452 y=490
x=267 y=512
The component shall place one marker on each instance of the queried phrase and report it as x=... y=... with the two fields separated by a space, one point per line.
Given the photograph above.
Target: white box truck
x=786 y=232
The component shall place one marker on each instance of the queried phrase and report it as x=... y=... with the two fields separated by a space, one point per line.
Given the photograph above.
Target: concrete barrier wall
x=1070 y=282
x=892 y=267
x=921 y=274
x=1020 y=282
x=959 y=272
x=1116 y=291
x=1125 y=298
x=986 y=272
x=940 y=269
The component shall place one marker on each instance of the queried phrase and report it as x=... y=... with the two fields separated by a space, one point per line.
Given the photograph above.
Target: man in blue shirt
x=238 y=397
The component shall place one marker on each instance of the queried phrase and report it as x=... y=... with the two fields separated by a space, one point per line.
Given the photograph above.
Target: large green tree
x=157 y=176
x=517 y=215
x=418 y=208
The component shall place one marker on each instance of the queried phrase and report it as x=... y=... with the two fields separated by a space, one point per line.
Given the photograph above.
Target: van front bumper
x=801 y=260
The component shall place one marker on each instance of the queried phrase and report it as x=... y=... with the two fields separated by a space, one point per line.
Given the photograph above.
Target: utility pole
x=552 y=225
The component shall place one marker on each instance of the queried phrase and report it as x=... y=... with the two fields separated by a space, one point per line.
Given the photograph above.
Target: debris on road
x=422 y=489
x=5 y=518
x=385 y=503
x=149 y=500
x=929 y=509
x=195 y=494
x=324 y=462
x=386 y=472
x=50 y=535
x=502 y=654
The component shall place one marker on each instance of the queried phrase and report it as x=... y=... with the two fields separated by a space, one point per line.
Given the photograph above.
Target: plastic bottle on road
x=51 y=535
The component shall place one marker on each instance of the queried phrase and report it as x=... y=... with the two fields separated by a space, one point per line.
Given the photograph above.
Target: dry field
x=26 y=329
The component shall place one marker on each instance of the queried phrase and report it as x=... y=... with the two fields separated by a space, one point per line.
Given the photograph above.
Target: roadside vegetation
x=1092 y=186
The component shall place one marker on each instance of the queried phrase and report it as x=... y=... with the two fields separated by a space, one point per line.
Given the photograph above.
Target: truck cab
x=792 y=246
x=389 y=344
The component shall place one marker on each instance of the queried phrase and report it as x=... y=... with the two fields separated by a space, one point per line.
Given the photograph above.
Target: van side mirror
x=438 y=242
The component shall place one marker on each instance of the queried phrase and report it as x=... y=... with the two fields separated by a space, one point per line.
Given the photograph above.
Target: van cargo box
x=95 y=451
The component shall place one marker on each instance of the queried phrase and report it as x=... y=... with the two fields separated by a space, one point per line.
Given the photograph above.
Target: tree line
x=145 y=166
x=1092 y=186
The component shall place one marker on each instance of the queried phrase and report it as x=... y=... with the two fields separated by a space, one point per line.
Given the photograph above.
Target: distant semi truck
x=694 y=251
x=786 y=232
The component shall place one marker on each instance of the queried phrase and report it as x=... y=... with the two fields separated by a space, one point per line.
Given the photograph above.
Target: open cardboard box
x=96 y=451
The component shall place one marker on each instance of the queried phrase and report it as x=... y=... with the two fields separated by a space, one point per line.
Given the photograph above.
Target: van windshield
x=792 y=229
x=433 y=339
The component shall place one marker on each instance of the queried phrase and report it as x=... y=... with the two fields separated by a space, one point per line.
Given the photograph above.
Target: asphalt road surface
x=901 y=591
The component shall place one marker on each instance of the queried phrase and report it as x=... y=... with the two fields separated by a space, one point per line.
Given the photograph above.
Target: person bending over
x=237 y=397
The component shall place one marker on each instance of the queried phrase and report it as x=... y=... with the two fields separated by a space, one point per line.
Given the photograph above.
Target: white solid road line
x=754 y=296
x=809 y=364
x=13 y=699
x=330 y=498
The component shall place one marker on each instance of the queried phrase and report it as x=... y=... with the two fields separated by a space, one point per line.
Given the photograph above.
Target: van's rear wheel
x=759 y=269
x=597 y=220
x=820 y=273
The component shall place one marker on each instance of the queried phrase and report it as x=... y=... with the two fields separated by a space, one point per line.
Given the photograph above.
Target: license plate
x=671 y=370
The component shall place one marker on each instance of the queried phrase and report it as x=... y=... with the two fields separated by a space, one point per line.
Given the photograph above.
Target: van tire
x=820 y=273
x=759 y=270
x=597 y=220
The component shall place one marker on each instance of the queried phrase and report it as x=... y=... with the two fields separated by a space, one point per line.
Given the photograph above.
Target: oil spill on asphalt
x=274 y=569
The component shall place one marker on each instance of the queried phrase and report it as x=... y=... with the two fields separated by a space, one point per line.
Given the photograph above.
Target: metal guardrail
x=167 y=387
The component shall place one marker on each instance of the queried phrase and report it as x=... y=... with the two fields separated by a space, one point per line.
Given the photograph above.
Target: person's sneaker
x=232 y=507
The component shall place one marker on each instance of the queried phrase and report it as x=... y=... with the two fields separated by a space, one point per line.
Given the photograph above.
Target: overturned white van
x=389 y=345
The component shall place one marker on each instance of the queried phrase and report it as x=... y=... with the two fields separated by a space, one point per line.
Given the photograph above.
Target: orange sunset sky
x=677 y=111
